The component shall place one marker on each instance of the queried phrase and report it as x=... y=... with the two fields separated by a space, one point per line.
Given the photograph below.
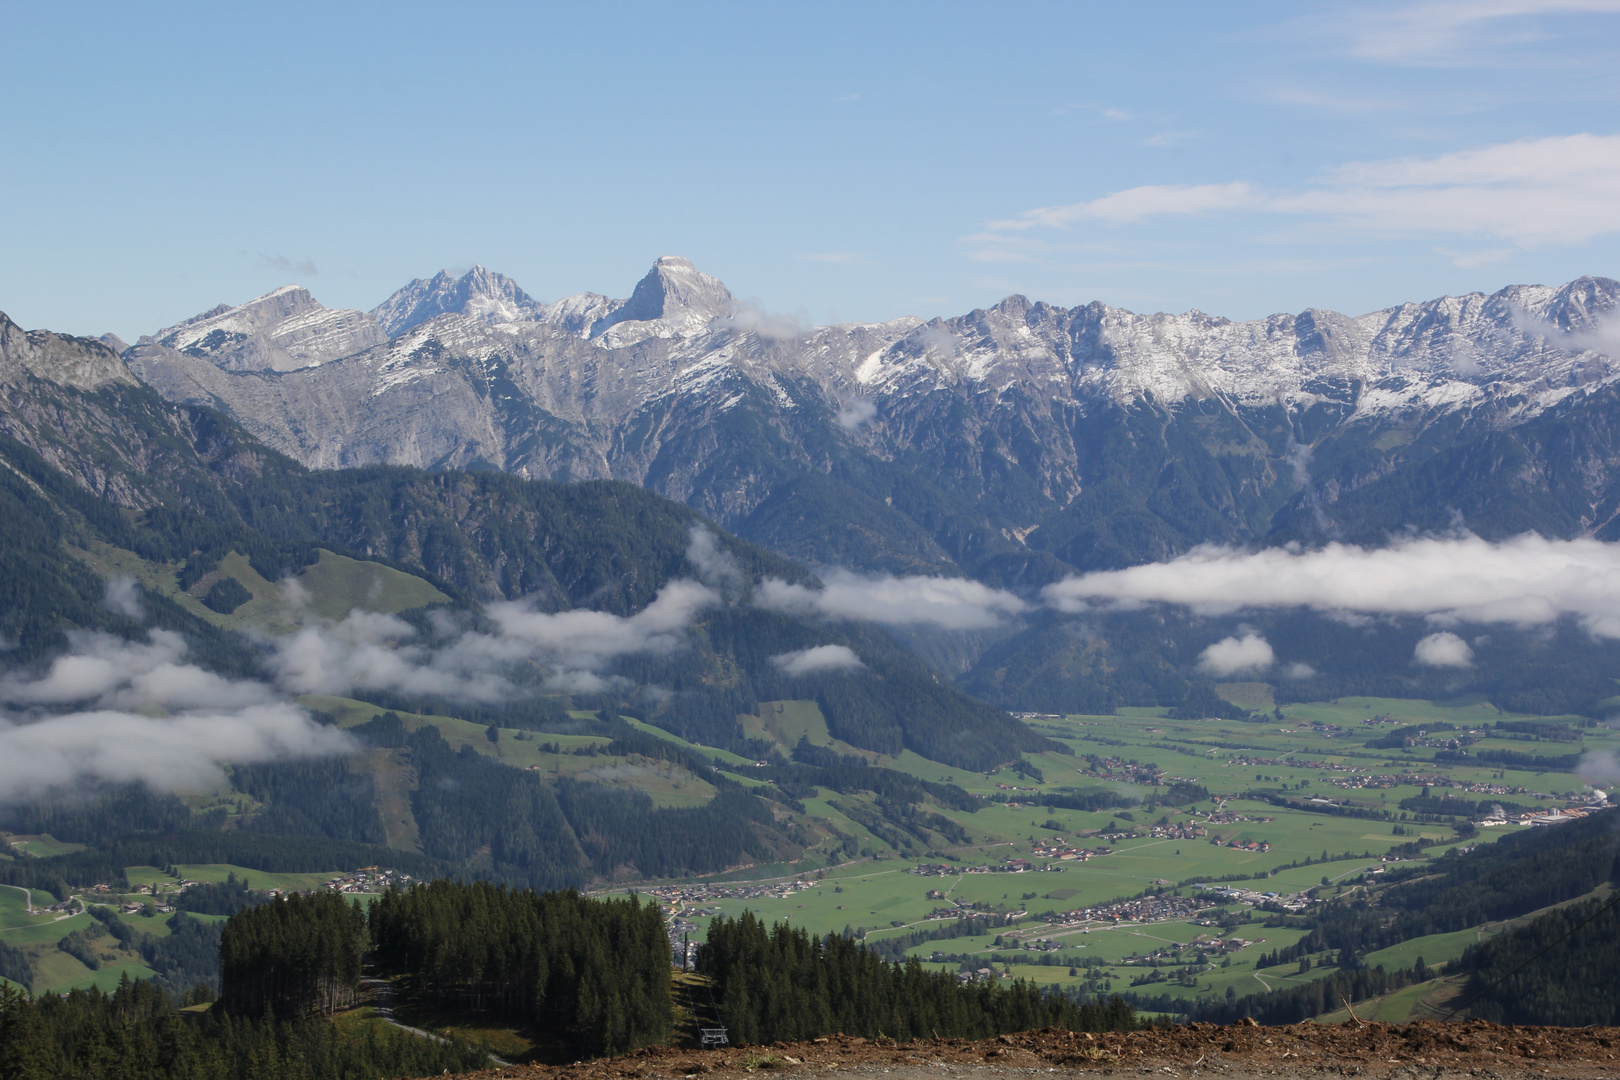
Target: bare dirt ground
x=1419 y=1051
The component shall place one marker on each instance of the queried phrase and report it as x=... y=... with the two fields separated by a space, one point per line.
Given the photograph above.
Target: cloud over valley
x=1525 y=581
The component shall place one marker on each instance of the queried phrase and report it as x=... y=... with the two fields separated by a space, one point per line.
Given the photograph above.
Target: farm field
x=1097 y=857
x=1260 y=777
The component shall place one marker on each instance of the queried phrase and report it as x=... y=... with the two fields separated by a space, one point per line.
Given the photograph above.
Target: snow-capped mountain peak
x=479 y=294
x=676 y=296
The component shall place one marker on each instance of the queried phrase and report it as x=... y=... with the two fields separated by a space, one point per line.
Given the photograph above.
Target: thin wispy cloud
x=1101 y=112
x=1452 y=33
x=946 y=603
x=303 y=267
x=1531 y=193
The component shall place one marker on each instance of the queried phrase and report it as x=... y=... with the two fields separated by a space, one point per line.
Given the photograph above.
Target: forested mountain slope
x=560 y=607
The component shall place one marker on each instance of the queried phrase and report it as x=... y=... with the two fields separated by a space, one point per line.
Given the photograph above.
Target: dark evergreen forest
x=783 y=984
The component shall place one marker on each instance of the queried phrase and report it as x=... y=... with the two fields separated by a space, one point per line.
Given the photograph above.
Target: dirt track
x=1420 y=1051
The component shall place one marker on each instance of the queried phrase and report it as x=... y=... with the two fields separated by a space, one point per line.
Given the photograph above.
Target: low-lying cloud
x=109 y=672
x=1249 y=654
x=946 y=603
x=1444 y=649
x=858 y=412
x=1525 y=581
x=137 y=711
x=186 y=752
x=124 y=598
x=817 y=660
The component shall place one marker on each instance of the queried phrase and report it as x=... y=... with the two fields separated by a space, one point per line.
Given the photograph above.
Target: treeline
x=218 y=898
x=127 y=809
x=1576 y=982
x=1513 y=759
x=295 y=957
x=595 y=972
x=784 y=984
x=1073 y=799
x=820 y=767
x=318 y=797
x=138 y=1033
x=1447 y=806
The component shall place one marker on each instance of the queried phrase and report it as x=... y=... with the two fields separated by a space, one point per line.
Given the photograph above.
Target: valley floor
x=1427 y=1050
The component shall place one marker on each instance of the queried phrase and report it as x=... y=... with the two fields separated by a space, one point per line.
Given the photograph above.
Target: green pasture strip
x=1433 y=949
x=44 y=933
x=56 y=972
x=257 y=879
x=702 y=751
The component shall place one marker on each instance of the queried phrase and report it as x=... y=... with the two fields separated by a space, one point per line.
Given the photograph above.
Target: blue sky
x=829 y=161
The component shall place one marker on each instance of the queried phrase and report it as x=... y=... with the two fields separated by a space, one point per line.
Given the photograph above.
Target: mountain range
x=1014 y=446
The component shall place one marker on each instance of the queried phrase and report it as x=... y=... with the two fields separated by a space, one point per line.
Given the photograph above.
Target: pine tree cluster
x=784 y=984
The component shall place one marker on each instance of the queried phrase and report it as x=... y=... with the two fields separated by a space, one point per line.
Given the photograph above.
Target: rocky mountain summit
x=1023 y=439
x=284 y=330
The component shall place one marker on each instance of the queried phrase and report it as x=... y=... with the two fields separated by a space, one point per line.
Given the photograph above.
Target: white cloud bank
x=946 y=603
x=179 y=753
x=1526 y=581
x=821 y=658
x=139 y=712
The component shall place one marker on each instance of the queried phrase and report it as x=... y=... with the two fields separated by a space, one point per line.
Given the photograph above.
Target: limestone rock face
x=479 y=293
x=1013 y=442
x=81 y=363
x=284 y=330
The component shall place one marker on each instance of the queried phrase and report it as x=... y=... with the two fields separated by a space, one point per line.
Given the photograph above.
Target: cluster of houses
x=1294 y=763
x=1144 y=909
x=1244 y=845
x=1187 y=830
x=1010 y=866
x=1230 y=817
x=1053 y=847
x=1435 y=780
x=1292 y=902
x=1204 y=942
x=1113 y=768
x=137 y=908
x=676 y=897
x=370 y=879
x=684 y=904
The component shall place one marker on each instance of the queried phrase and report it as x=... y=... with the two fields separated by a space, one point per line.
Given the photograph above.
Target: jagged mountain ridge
x=1012 y=443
